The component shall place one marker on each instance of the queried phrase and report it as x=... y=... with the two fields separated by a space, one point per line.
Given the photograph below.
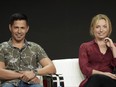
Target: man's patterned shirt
x=23 y=59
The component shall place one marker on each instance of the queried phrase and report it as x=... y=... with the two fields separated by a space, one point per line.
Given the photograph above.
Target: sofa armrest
x=54 y=80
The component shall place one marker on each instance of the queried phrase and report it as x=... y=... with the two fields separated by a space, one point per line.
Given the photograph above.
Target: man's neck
x=18 y=44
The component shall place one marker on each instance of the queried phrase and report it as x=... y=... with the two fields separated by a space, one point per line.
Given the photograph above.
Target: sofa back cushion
x=70 y=70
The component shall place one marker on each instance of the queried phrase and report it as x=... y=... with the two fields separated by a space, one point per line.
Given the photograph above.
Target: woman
x=97 y=58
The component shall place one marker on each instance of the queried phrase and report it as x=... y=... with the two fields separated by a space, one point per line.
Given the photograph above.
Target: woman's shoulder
x=88 y=43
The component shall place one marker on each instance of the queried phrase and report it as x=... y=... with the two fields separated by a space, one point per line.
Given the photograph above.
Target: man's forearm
x=8 y=74
x=50 y=69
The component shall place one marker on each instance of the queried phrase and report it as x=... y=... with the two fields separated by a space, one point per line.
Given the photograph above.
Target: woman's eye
x=105 y=26
x=97 y=26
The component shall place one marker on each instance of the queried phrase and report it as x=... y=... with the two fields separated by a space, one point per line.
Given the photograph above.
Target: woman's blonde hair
x=96 y=19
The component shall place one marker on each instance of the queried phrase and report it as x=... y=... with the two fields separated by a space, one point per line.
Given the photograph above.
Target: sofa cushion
x=70 y=70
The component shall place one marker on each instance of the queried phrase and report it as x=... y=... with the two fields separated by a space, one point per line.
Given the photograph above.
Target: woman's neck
x=102 y=46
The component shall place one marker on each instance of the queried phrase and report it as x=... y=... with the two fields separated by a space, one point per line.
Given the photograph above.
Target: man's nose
x=19 y=30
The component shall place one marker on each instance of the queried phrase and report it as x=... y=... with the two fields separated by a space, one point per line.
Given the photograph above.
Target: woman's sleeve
x=114 y=59
x=84 y=61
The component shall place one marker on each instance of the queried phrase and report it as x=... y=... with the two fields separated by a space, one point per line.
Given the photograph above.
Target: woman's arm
x=84 y=61
x=113 y=76
x=110 y=44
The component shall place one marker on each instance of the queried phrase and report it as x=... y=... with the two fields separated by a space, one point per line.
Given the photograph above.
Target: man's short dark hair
x=18 y=16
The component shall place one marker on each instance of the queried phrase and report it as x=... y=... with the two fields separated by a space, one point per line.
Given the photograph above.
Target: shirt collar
x=11 y=44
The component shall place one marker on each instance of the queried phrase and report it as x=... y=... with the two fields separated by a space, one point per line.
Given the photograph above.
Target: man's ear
x=27 y=28
x=9 y=27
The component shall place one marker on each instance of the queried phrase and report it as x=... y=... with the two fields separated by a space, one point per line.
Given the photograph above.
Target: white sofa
x=70 y=70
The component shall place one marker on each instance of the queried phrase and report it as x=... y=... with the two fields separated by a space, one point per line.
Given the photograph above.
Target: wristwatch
x=35 y=71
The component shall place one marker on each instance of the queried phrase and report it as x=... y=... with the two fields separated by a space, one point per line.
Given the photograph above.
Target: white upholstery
x=70 y=70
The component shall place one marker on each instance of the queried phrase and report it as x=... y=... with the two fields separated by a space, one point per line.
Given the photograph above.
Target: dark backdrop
x=58 y=26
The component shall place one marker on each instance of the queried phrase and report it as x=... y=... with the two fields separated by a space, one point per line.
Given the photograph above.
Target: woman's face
x=101 y=29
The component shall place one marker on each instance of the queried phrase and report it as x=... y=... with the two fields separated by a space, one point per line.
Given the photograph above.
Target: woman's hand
x=113 y=76
x=109 y=42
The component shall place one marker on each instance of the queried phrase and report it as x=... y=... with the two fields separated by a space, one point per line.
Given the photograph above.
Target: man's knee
x=7 y=85
x=36 y=85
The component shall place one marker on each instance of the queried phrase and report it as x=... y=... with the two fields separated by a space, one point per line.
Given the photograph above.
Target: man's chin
x=19 y=40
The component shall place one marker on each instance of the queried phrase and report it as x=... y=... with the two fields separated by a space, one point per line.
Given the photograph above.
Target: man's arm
x=8 y=74
x=47 y=67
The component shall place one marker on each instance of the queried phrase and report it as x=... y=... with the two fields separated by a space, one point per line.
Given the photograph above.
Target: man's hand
x=35 y=80
x=27 y=75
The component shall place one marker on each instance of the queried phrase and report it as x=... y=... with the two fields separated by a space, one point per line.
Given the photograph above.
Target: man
x=20 y=59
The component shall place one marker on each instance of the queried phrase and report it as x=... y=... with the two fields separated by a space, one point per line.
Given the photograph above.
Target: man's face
x=18 y=30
